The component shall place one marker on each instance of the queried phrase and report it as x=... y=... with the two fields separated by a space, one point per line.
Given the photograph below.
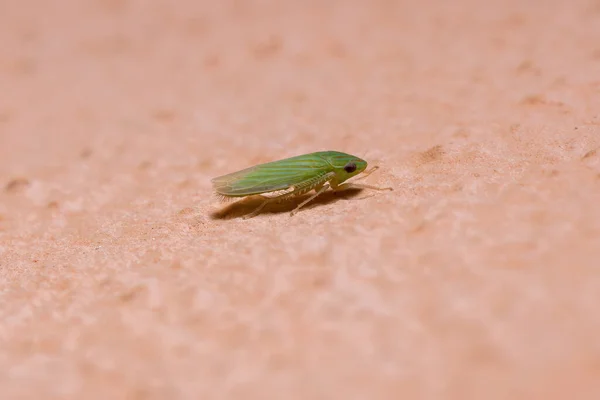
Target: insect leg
x=276 y=199
x=317 y=183
x=257 y=210
x=363 y=186
x=318 y=192
x=367 y=173
x=349 y=185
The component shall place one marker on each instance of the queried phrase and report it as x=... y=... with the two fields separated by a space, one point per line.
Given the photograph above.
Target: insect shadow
x=249 y=204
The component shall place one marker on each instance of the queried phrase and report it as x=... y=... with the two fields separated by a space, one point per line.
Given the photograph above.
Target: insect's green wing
x=272 y=176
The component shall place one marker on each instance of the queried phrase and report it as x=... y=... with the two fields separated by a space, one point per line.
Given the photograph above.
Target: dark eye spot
x=350 y=167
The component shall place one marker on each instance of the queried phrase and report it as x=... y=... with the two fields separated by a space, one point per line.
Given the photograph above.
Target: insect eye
x=350 y=167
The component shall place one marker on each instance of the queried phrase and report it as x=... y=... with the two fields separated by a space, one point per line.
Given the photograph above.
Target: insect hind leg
x=257 y=209
x=275 y=199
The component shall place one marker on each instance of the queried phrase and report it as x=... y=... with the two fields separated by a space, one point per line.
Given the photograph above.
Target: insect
x=294 y=176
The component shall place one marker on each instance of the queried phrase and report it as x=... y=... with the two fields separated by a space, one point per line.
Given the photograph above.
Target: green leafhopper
x=294 y=176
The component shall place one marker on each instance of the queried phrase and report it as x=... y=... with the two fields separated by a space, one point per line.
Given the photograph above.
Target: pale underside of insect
x=284 y=179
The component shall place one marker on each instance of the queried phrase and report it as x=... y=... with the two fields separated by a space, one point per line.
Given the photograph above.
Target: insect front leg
x=363 y=186
x=348 y=185
x=367 y=173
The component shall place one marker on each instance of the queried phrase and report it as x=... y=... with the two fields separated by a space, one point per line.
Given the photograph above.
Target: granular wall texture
x=123 y=277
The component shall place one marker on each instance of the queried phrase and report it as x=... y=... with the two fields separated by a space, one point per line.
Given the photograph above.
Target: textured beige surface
x=477 y=278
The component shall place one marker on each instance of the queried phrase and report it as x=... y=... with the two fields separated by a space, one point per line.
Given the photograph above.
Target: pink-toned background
x=477 y=278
